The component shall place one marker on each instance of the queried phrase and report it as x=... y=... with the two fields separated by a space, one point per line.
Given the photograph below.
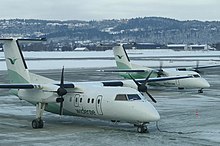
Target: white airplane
x=129 y=70
x=108 y=100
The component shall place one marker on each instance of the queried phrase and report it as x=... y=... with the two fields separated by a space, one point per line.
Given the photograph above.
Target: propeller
x=196 y=69
x=142 y=87
x=160 y=70
x=61 y=91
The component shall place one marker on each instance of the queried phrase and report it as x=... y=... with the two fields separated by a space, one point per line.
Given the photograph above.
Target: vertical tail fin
x=16 y=65
x=17 y=68
x=121 y=58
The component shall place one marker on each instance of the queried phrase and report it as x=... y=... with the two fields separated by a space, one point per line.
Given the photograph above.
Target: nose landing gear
x=142 y=128
x=200 y=90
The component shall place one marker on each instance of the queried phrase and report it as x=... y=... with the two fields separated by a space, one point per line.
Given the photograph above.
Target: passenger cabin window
x=92 y=100
x=133 y=97
x=121 y=97
x=88 y=100
x=80 y=100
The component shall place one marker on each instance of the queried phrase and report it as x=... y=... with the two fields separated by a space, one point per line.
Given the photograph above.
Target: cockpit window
x=121 y=97
x=124 y=97
x=196 y=76
x=133 y=97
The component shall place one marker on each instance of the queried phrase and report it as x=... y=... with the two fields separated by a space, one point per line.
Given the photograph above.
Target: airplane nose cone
x=150 y=114
x=205 y=84
x=154 y=116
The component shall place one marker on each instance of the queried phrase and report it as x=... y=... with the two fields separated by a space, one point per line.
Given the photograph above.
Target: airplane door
x=99 y=104
x=76 y=100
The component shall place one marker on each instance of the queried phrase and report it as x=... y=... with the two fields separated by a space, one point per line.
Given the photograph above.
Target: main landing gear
x=142 y=128
x=38 y=122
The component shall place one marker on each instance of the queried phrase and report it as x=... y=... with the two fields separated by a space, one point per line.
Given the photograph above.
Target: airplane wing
x=121 y=83
x=16 y=86
x=32 y=86
x=124 y=70
x=197 y=68
x=164 y=78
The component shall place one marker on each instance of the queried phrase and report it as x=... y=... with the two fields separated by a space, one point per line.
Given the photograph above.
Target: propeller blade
x=151 y=97
x=62 y=78
x=137 y=83
x=160 y=70
x=61 y=91
x=61 y=107
x=197 y=64
x=142 y=87
x=161 y=65
x=145 y=81
x=197 y=67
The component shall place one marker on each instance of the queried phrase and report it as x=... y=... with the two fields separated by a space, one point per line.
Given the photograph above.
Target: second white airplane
x=133 y=71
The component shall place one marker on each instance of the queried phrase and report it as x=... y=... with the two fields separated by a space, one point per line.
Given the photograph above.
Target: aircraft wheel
x=41 y=124
x=35 y=124
x=146 y=130
x=141 y=129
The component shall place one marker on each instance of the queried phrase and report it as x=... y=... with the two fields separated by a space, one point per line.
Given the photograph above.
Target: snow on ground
x=91 y=63
x=187 y=118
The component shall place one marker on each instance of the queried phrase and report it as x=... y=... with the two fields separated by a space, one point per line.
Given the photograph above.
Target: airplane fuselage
x=196 y=81
x=123 y=62
x=100 y=102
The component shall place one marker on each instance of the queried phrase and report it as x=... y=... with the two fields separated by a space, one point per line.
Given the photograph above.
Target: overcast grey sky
x=110 y=9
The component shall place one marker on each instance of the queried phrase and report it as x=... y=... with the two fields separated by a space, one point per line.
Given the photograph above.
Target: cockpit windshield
x=125 y=97
x=133 y=97
x=195 y=76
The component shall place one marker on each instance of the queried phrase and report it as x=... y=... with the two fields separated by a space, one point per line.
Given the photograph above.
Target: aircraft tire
x=35 y=124
x=41 y=124
x=140 y=129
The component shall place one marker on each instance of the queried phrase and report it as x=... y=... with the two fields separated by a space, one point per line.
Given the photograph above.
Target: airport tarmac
x=187 y=118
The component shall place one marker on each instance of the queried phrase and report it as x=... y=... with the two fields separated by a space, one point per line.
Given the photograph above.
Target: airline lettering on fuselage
x=85 y=111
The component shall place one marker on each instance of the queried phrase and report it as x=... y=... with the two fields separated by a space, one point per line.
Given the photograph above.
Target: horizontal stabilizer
x=23 y=40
